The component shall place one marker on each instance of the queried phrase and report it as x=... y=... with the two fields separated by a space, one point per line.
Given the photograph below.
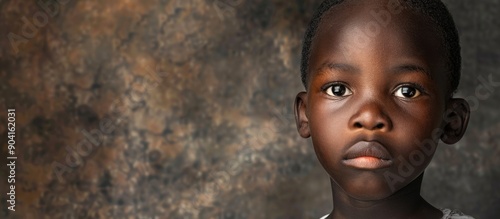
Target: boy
x=380 y=77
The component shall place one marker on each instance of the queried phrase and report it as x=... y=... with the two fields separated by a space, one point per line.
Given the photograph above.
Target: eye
x=338 y=90
x=407 y=92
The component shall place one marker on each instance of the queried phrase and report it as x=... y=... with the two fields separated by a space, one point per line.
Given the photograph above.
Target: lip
x=367 y=155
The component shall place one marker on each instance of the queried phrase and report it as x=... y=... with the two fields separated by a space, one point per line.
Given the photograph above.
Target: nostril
x=358 y=125
x=380 y=126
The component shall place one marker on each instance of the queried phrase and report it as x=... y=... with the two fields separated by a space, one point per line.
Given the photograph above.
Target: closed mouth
x=367 y=155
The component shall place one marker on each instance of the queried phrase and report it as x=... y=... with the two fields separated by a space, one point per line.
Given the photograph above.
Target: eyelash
x=418 y=86
x=326 y=86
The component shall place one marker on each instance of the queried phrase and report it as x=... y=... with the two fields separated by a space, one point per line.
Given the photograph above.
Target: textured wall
x=183 y=109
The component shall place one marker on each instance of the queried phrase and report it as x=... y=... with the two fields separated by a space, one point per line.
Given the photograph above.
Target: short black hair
x=434 y=9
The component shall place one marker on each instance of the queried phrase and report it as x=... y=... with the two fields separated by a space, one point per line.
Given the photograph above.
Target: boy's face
x=377 y=89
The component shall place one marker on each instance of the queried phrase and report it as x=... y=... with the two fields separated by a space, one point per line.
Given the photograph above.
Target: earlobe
x=456 y=120
x=301 y=119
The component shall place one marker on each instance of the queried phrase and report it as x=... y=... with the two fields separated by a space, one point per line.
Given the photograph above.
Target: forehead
x=354 y=30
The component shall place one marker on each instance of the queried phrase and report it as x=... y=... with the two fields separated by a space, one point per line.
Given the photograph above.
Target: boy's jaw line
x=407 y=198
x=412 y=189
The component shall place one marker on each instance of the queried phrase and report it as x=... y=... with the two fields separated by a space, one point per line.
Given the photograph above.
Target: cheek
x=417 y=125
x=328 y=120
x=327 y=125
x=415 y=139
x=419 y=118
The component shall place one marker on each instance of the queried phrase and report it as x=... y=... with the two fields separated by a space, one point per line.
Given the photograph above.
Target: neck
x=405 y=203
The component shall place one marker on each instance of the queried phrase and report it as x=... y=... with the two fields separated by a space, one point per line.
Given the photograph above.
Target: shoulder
x=454 y=214
x=447 y=214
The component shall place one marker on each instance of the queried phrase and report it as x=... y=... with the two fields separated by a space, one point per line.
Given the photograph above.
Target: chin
x=367 y=187
x=370 y=194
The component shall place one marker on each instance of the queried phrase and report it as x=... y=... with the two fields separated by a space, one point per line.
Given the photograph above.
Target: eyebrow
x=411 y=68
x=343 y=67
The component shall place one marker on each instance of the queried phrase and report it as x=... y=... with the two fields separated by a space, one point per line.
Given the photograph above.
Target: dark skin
x=392 y=91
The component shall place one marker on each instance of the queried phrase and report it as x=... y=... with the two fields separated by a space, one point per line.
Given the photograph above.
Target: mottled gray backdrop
x=183 y=109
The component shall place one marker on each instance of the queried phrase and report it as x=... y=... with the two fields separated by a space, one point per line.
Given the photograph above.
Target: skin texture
x=390 y=88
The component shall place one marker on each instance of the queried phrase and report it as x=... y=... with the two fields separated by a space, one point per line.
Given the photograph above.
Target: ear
x=456 y=120
x=301 y=119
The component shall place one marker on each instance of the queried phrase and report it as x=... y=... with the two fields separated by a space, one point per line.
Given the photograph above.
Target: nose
x=370 y=116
